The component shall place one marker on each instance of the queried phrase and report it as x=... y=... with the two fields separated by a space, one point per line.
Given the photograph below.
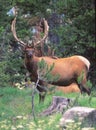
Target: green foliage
x=1 y=29
x=4 y=78
x=77 y=33
x=10 y=68
x=33 y=6
x=81 y=77
x=44 y=72
x=14 y=64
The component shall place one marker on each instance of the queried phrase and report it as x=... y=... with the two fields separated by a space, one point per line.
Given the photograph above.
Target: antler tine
x=45 y=32
x=14 y=33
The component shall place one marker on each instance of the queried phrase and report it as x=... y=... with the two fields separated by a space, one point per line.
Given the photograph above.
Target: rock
x=90 y=128
x=84 y=115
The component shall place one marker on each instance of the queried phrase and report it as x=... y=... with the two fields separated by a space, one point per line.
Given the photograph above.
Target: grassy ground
x=16 y=110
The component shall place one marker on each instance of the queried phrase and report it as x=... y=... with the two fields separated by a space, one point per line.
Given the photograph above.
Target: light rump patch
x=85 y=61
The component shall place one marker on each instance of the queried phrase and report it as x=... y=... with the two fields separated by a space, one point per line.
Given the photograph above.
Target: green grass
x=16 y=111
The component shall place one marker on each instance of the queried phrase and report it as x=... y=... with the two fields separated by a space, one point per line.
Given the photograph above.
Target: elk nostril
x=29 y=55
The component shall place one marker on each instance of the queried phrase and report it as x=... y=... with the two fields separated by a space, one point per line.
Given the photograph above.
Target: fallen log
x=59 y=104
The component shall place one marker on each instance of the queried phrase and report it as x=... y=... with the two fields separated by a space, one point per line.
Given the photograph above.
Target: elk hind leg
x=83 y=86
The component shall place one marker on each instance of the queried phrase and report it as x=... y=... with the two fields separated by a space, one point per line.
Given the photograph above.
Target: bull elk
x=69 y=69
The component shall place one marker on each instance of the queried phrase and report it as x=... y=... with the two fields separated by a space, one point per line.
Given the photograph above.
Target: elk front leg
x=42 y=91
x=42 y=97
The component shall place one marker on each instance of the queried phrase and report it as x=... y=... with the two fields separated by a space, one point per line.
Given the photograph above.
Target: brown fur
x=72 y=88
x=69 y=69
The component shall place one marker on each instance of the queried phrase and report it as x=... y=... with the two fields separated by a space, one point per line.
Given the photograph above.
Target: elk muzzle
x=30 y=55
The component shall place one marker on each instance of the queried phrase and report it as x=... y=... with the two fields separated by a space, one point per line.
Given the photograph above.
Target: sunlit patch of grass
x=16 y=109
x=42 y=123
x=45 y=123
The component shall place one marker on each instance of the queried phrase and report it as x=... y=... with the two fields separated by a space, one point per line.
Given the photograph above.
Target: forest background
x=71 y=31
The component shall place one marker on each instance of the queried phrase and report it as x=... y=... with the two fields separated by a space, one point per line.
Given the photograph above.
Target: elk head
x=29 y=52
